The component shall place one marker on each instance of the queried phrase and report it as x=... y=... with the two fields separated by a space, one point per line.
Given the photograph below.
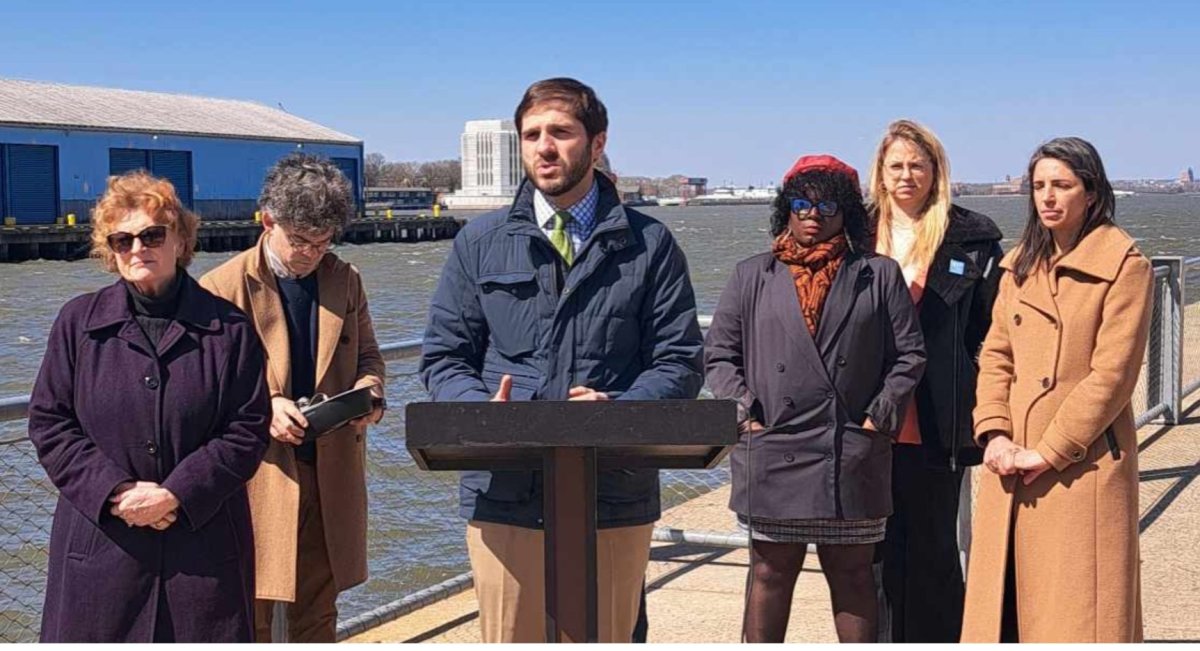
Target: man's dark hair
x=578 y=97
x=1037 y=244
x=307 y=193
x=825 y=185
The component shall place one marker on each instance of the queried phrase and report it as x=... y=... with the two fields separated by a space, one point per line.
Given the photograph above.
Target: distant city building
x=1186 y=177
x=491 y=165
x=693 y=187
x=1010 y=186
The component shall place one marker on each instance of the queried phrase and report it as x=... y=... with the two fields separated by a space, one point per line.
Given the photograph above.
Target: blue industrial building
x=59 y=144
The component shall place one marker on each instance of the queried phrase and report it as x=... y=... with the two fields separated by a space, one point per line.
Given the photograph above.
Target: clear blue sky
x=732 y=90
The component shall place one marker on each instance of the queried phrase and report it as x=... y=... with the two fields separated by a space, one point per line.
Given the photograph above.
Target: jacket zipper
x=954 y=403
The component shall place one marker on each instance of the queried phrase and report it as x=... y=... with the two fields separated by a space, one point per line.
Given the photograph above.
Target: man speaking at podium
x=566 y=295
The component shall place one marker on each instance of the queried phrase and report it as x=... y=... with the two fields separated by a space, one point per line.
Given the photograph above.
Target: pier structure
x=67 y=242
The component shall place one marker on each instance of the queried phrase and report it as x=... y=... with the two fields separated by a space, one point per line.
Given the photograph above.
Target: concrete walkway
x=695 y=593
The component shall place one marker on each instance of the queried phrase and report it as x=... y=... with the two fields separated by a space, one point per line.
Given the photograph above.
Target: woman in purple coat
x=149 y=414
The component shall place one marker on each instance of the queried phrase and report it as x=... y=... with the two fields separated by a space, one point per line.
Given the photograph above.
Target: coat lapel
x=332 y=299
x=1035 y=292
x=267 y=311
x=786 y=306
x=840 y=303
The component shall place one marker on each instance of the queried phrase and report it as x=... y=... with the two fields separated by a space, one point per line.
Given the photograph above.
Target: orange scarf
x=813 y=270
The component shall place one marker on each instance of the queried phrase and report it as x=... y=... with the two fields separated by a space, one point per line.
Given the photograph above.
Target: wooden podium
x=570 y=442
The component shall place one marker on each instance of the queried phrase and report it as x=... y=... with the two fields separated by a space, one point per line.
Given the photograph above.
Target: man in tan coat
x=308 y=500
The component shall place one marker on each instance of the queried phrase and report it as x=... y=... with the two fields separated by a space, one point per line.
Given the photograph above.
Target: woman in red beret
x=818 y=343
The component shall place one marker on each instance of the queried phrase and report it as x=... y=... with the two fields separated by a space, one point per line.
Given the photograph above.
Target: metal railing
x=27 y=498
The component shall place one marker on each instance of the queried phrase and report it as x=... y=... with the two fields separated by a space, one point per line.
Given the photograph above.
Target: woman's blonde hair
x=139 y=191
x=935 y=214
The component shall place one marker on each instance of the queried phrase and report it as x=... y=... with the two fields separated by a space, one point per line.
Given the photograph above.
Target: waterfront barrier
x=27 y=498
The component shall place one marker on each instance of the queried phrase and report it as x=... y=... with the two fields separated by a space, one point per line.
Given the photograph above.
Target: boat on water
x=728 y=195
x=671 y=201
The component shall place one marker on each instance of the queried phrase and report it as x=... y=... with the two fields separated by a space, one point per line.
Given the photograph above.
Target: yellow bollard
x=437 y=210
x=70 y=219
x=10 y=221
x=257 y=216
x=389 y=213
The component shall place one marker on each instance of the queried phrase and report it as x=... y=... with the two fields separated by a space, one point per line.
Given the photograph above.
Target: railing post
x=1164 y=383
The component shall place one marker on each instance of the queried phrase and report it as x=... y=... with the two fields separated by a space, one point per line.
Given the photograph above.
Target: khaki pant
x=313 y=618
x=510 y=580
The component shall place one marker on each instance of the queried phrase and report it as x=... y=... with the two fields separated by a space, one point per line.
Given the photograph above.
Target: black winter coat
x=956 y=312
x=815 y=460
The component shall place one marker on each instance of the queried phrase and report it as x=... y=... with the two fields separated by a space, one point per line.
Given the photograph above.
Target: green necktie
x=561 y=239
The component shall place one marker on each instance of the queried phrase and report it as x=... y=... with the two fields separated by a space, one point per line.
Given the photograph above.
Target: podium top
x=515 y=435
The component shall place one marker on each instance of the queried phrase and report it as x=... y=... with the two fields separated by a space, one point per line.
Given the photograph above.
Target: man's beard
x=571 y=177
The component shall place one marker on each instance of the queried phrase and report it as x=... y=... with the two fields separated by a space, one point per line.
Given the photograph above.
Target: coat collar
x=1100 y=255
x=969 y=226
x=851 y=278
x=333 y=302
x=610 y=214
x=197 y=308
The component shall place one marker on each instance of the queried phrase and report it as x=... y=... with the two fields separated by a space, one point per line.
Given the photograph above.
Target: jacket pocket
x=509 y=301
x=500 y=485
x=82 y=536
x=626 y=486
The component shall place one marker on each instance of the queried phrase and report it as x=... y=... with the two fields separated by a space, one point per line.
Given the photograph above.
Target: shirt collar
x=583 y=211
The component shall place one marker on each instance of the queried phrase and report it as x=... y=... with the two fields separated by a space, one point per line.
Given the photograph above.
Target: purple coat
x=105 y=409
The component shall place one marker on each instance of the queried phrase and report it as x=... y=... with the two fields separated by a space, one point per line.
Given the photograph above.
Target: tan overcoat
x=1058 y=366
x=347 y=357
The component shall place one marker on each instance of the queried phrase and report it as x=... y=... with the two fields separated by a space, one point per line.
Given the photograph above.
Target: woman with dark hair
x=818 y=343
x=951 y=262
x=149 y=414
x=1054 y=554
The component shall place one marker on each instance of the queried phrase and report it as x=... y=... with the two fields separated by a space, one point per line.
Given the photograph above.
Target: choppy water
x=416 y=537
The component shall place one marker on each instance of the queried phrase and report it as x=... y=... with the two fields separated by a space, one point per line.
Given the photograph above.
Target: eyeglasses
x=825 y=208
x=151 y=237
x=301 y=244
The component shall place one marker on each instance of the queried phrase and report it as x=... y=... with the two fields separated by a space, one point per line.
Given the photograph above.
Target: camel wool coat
x=347 y=357
x=1057 y=369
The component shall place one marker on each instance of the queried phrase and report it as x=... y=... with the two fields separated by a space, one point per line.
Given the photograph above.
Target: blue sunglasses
x=825 y=208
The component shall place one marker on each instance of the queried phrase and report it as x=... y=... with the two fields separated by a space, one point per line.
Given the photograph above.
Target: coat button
x=344 y=339
x=151 y=448
x=841 y=361
x=779 y=366
x=829 y=456
x=789 y=402
x=789 y=458
x=1077 y=455
x=1045 y=383
x=829 y=396
x=1017 y=319
x=151 y=382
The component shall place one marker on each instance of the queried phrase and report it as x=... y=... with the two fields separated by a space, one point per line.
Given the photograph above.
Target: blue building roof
x=42 y=104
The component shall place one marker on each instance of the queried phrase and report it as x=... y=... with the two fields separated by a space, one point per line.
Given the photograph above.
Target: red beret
x=821 y=163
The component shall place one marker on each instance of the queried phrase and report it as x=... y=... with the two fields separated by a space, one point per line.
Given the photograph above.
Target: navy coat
x=621 y=319
x=194 y=418
x=813 y=394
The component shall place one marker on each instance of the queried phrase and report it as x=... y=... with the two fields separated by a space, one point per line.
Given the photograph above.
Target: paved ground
x=695 y=594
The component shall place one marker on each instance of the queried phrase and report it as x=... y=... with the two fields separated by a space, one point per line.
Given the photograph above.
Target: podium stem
x=570 y=552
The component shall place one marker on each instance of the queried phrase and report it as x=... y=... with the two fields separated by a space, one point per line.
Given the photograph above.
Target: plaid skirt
x=815 y=531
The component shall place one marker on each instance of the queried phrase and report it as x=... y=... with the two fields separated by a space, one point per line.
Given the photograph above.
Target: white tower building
x=491 y=165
